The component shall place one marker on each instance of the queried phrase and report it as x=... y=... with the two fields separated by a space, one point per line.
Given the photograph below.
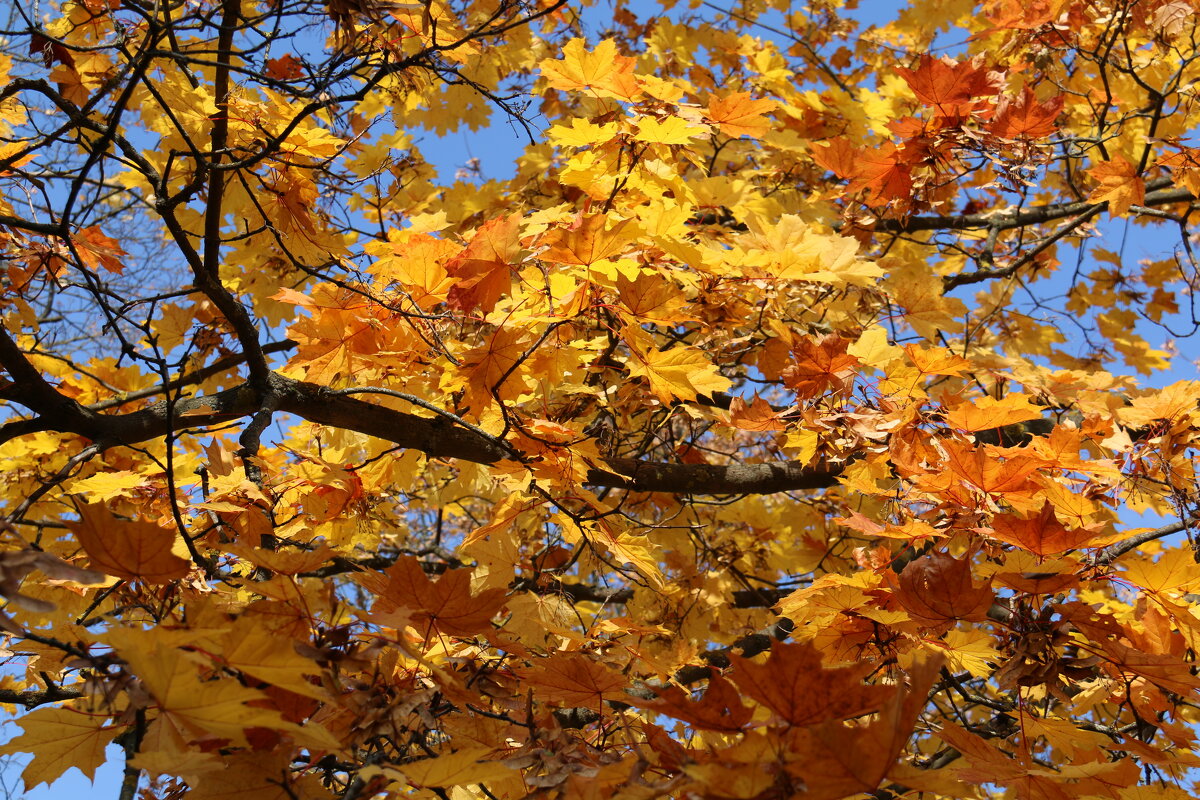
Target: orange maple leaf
x=795 y=684
x=757 y=416
x=482 y=273
x=820 y=365
x=574 y=679
x=979 y=414
x=936 y=360
x=587 y=241
x=1185 y=165
x=1043 y=534
x=842 y=760
x=97 y=250
x=739 y=114
x=445 y=606
x=1025 y=117
x=938 y=588
x=881 y=171
x=1120 y=185
x=720 y=709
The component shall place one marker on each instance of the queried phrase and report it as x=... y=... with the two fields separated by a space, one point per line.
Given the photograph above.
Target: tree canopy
x=800 y=416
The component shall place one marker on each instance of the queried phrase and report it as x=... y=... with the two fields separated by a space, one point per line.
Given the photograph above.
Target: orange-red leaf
x=952 y=87
x=820 y=366
x=483 y=272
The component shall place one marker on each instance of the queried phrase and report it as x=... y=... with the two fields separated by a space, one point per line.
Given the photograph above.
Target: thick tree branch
x=1115 y=551
x=33 y=699
x=436 y=437
x=1161 y=193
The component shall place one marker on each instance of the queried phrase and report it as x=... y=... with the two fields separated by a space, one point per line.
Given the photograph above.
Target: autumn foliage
x=802 y=415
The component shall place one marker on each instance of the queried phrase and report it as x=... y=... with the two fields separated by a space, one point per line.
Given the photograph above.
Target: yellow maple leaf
x=60 y=738
x=468 y=765
x=672 y=130
x=106 y=485
x=603 y=72
x=966 y=651
x=128 y=549
x=268 y=658
x=681 y=372
x=198 y=709
x=1174 y=572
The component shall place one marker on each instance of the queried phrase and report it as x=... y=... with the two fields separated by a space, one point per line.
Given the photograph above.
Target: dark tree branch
x=1161 y=193
x=436 y=437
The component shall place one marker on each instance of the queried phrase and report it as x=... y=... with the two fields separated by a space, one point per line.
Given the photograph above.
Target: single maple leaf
x=602 y=72
x=1025 y=117
x=1185 y=166
x=199 y=709
x=952 y=87
x=882 y=172
x=1042 y=535
x=482 y=273
x=588 y=241
x=1120 y=185
x=1169 y=672
x=796 y=685
x=651 y=298
x=836 y=155
x=285 y=68
x=841 y=760
x=269 y=658
x=418 y=265
x=60 y=738
x=938 y=588
x=470 y=765
x=983 y=413
x=125 y=549
x=739 y=114
x=970 y=471
x=936 y=360
x=719 y=709
x=1174 y=572
x=445 y=606
x=106 y=485
x=820 y=366
x=681 y=372
x=757 y=416
x=97 y=250
x=574 y=679
x=504 y=516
